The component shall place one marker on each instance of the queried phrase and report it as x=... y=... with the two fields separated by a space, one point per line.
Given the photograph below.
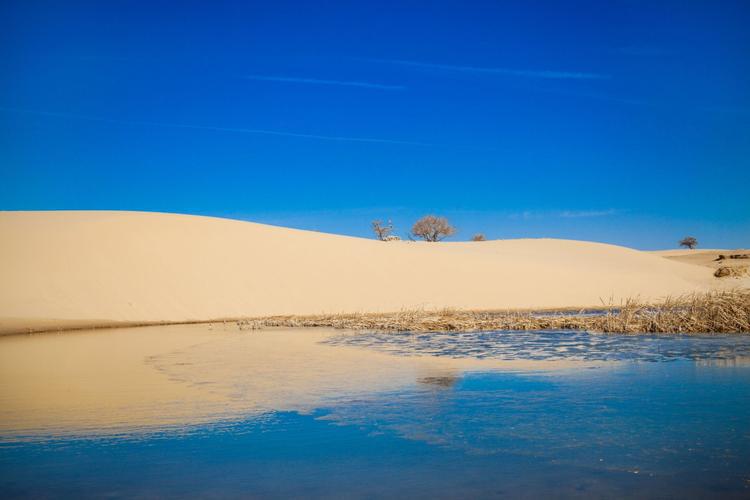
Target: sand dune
x=706 y=257
x=75 y=269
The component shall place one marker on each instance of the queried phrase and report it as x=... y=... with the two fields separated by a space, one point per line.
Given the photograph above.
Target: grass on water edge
x=710 y=312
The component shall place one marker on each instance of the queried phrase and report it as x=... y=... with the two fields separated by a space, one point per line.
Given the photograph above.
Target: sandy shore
x=83 y=269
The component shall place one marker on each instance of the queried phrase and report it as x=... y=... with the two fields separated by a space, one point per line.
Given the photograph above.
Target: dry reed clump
x=733 y=272
x=712 y=312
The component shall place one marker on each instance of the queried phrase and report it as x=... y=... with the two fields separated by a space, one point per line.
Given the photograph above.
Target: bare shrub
x=688 y=242
x=432 y=228
x=383 y=233
x=478 y=237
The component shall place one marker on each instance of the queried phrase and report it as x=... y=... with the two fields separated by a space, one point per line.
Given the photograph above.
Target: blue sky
x=623 y=122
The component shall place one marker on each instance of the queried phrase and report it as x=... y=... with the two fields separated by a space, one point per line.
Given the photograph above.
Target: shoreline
x=84 y=325
x=715 y=312
x=718 y=312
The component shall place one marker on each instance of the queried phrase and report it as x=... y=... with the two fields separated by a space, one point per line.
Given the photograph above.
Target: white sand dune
x=76 y=269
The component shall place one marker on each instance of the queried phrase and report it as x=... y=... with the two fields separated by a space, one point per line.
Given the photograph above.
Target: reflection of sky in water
x=555 y=345
x=653 y=419
x=642 y=427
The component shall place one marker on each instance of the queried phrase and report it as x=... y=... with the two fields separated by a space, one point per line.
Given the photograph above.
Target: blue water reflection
x=643 y=427
x=555 y=345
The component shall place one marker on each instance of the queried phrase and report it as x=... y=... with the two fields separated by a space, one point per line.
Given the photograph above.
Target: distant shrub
x=383 y=233
x=432 y=228
x=688 y=242
x=478 y=237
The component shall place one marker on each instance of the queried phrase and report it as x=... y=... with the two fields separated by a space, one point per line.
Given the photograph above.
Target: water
x=175 y=412
x=557 y=345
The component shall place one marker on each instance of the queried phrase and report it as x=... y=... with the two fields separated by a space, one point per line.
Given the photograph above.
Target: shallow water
x=198 y=411
x=558 y=345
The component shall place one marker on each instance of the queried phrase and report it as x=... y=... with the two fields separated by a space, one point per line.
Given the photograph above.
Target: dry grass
x=713 y=312
x=732 y=272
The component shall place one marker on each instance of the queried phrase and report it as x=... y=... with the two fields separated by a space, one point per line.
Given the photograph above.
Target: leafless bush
x=688 y=242
x=432 y=228
x=478 y=237
x=383 y=233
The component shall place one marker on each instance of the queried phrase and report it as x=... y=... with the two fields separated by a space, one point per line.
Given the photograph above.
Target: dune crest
x=89 y=268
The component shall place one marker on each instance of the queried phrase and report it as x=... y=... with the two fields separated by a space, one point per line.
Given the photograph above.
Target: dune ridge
x=65 y=269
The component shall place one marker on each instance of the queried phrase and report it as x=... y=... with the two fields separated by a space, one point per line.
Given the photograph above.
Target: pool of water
x=199 y=411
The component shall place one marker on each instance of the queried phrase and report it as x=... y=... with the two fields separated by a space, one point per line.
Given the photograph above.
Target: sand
x=707 y=257
x=67 y=269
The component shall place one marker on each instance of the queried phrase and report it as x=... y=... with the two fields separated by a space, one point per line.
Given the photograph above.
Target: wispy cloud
x=643 y=51
x=237 y=130
x=726 y=110
x=546 y=74
x=316 y=81
x=564 y=214
x=655 y=104
x=586 y=213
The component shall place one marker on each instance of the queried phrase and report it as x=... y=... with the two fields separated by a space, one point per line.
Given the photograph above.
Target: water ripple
x=554 y=345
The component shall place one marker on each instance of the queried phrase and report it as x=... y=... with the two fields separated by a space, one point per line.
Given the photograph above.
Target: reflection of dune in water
x=147 y=379
x=727 y=362
x=141 y=380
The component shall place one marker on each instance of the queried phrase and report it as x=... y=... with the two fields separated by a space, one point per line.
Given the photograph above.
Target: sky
x=621 y=122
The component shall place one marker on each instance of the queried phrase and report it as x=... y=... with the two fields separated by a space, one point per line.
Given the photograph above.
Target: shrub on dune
x=432 y=228
x=688 y=242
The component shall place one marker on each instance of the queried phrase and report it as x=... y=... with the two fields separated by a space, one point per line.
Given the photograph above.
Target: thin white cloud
x=547 y=74
x=564 y=214
x=219 y=129
x=586 y=213
x=635 y=50
x=725 y=109
x=316 y=81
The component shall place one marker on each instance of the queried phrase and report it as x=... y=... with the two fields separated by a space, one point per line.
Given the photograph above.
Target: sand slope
x=706 y=257
x=90 y=268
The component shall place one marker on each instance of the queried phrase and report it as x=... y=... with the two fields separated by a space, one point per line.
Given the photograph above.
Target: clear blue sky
x=623 y=122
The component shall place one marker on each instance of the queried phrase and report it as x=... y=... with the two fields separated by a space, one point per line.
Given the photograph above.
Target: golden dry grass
x=712 y=312
x=731 y=271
